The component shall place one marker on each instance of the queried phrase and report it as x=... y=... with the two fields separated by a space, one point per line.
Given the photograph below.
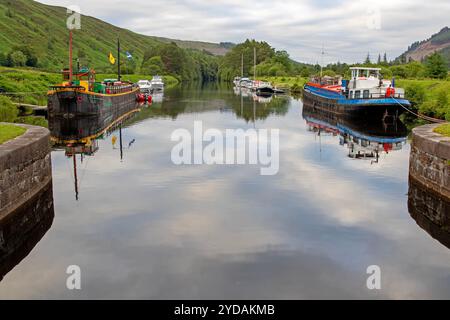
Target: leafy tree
x=3 y=59
x=17 y=59
x=415 y=93
x=399 y=71
x=153 y=66
x=436 y=67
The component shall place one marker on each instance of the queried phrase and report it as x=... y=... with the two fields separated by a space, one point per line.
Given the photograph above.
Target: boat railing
x=68 y=87
x=119 y=89
x=383 y=95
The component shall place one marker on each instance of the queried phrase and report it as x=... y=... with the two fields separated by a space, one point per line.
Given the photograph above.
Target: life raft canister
x=390 y=92
x=140 y=97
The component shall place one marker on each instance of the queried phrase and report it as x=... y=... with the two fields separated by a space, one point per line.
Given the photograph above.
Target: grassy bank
x=8 y=132
x=30 y=85
x=430 y=97
x=444 y=130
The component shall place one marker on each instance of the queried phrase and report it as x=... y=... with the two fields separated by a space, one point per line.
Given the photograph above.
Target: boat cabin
x=368 y=83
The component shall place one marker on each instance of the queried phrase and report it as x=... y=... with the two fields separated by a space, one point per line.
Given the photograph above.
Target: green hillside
x=420 y=50
x=38 y=29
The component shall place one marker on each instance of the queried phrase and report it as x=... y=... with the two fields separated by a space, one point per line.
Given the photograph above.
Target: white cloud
x=300 y=27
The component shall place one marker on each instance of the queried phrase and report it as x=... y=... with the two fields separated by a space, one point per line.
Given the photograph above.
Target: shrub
x=8 y=111
x=415 y=94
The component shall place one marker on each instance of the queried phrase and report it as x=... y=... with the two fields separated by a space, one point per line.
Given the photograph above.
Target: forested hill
x=419 y=50
x=34 y=34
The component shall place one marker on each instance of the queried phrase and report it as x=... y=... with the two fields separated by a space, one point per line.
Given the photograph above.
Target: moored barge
x=366 y=95
x=80 y=95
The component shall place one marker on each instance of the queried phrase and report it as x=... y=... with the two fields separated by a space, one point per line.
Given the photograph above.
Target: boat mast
x=118 y=59
x=321 y=63
x=120 y=140
x=254 y=62
x=75 y=175
x=70 y=58
x=242 y=65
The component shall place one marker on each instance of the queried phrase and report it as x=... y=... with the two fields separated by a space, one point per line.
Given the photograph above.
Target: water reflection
x=430 y=211
x=365 y=141
x=23 y=228
x=79 y=138
x=146 y=228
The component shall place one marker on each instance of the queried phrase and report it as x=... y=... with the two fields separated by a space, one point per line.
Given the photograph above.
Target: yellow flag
x=112 y=59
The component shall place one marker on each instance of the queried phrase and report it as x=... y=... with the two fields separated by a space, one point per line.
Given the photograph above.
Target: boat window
x=357 y=94
x=366 y=94
x=351 y=94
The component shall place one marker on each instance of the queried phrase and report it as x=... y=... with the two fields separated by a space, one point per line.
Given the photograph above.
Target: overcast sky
x=347 y=29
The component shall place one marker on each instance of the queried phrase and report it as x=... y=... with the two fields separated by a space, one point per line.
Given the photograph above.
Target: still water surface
x=146 y=228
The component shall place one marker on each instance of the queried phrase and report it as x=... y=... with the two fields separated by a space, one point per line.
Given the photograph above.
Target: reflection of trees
x=250 y=109
x=210 y=96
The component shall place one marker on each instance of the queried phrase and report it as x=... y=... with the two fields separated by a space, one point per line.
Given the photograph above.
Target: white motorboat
x=145 y=86
x=157 y=83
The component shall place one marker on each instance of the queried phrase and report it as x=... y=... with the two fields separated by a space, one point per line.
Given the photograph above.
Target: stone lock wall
x=430 y=160
x=25 y=168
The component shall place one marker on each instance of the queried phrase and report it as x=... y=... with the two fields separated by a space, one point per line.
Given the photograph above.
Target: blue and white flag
x=129 y=56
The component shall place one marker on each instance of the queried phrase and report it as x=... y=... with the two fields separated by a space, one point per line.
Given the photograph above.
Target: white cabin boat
x=157 y=83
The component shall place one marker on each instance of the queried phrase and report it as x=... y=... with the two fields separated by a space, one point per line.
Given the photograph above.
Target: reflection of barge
x=365 y=140
x=366 y=95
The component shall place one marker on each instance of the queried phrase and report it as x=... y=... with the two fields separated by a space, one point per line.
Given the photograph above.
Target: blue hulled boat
x=366 y=95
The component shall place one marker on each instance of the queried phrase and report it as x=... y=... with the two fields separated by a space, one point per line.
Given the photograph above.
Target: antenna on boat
x=321 y=63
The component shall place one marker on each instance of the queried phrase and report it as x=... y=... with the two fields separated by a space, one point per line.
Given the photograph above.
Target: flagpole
x=118 y=59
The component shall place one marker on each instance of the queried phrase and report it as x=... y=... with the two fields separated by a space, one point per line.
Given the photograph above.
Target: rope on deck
x=421 y=116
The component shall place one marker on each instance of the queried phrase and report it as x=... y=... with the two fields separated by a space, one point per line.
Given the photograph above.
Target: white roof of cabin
x=365 y=68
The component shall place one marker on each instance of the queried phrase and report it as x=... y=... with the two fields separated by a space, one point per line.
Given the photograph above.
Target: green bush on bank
x=8 y=111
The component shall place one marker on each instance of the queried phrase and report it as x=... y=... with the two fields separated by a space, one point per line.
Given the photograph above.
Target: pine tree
x=385 y=58
x=367 y=59
x=379 y=59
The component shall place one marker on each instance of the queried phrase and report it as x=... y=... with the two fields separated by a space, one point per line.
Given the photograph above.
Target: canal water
x=143 y=227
